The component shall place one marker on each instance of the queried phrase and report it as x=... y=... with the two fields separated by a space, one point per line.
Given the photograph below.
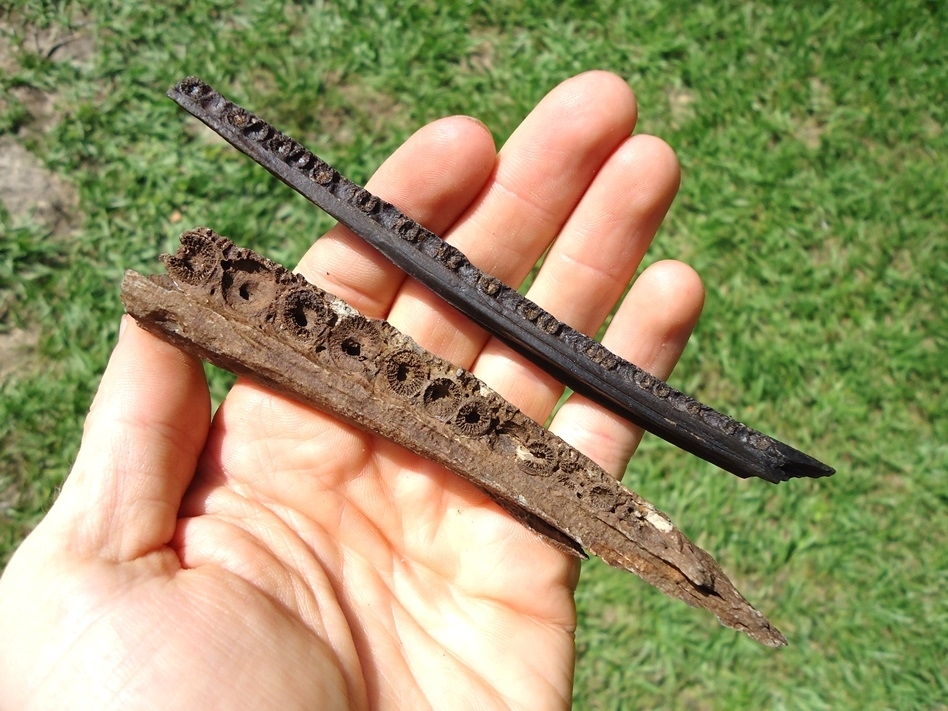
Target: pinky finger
x=650 y=329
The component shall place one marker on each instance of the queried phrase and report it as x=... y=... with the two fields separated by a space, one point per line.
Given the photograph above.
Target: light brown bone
x=249 y=315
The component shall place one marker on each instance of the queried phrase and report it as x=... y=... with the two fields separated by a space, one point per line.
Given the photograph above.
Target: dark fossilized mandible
x=244 y=313
x=575 y=359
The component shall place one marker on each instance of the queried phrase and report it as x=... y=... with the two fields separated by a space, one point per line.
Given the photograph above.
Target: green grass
x=813 y=147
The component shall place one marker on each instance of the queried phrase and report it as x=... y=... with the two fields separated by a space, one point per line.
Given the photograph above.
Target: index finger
x=432 y=178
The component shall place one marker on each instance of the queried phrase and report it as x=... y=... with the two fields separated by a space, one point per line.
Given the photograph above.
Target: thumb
x=142 y=438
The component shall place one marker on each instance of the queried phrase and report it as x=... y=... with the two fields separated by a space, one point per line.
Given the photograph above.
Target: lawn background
x=814 y=149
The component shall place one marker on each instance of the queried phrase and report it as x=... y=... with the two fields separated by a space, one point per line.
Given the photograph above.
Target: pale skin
x=277 y=558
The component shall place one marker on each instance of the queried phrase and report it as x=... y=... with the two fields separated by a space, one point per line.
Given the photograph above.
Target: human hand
x=279 y=558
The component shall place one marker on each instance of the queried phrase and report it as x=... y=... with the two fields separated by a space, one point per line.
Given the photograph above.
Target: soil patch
x=17 y=351
x=29 y=191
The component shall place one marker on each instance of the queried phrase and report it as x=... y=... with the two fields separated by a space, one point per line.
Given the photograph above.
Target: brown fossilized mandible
x=572 y=357
x=242 y=312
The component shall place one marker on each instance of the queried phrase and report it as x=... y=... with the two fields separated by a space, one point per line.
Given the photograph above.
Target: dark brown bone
x=244 y=313
x=572 y=357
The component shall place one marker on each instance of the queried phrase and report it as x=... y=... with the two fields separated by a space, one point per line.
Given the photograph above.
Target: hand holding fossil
x=282 y=558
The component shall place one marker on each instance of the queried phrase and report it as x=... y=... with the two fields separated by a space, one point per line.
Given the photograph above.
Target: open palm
x=277 y=558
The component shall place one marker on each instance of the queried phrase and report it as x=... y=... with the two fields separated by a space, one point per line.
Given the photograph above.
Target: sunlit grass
x=813 y=147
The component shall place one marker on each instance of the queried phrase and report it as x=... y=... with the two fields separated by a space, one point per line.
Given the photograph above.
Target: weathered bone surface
x=572 y=357
x=249 y=315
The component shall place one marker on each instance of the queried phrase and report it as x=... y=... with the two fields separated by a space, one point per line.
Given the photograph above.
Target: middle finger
x=540 y=176
x=591 y=263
